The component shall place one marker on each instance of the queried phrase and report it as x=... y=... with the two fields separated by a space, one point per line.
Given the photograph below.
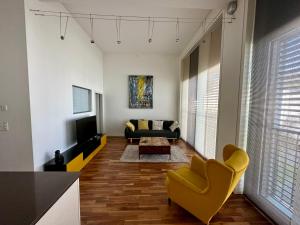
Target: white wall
x=117 y=67
x=15 y=145
x=54 y=66
x=230 y=80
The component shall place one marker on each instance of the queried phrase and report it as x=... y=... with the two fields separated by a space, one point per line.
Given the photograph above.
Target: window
x=207 y=106
x=81 y=100
x=282 y=132
x=273 y=140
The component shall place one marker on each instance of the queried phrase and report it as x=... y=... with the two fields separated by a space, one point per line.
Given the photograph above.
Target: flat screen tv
x=86 y=128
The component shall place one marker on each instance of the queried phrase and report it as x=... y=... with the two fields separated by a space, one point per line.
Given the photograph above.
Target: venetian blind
x=208 y=92
x=192 y=96
x=282 y=123
x=274 y=113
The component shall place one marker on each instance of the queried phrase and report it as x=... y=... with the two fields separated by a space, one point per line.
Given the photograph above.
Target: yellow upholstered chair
x=204 y=187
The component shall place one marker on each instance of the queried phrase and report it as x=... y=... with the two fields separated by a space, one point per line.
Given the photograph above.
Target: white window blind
x=282 y=121
x=81 y=100
x=208 y=93
x=274 y=124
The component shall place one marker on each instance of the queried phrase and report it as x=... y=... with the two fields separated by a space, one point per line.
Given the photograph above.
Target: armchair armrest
x=198 y=165
x=179 y=179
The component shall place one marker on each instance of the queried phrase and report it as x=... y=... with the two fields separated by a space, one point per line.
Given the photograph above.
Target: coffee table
x=154 y=145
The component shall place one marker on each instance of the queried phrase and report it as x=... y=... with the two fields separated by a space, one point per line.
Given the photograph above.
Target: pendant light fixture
x=92 y=29
x=118 y=27
x=62 y=36
x=177 y=31
x=150 y=30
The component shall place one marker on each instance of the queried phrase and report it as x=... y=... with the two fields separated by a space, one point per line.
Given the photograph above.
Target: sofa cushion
x=135 y=123
x=150 y=124
x=157 y=125
x=130 y=126
x=167 y=124
x=143 y=125
x=174 y=126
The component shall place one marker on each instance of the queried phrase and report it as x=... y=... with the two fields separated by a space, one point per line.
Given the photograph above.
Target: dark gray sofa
x=166 y=132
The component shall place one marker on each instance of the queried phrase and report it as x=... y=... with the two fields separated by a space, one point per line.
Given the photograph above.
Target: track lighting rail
x=95 y=16
x=118 y=19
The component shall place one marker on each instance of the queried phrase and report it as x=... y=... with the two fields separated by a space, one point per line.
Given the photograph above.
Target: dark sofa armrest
x=177 y=131
x=128 y=132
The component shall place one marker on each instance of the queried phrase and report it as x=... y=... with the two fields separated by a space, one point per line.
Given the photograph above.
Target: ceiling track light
x=118 y=27
x=62 y=36
x=177 y=30
x=179 y=21
x=92 y=29
x=150 y=29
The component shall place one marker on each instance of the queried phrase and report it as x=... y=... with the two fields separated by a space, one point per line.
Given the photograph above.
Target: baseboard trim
x=193 y=148
x=259 y=210
x=115 y=136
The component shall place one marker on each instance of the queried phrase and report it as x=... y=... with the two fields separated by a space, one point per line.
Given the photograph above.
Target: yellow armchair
x=204 y=187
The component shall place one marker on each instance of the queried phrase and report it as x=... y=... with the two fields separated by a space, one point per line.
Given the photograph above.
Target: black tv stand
x=90 y=145
x=79 y=155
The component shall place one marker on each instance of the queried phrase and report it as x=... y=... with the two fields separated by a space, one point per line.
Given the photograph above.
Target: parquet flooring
x=117 y=193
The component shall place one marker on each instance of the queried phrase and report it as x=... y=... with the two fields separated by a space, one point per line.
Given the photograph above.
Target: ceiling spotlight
x=119 y=42
x=177 y=39
x=149 y=40
x=92 y=41
x=62 y=37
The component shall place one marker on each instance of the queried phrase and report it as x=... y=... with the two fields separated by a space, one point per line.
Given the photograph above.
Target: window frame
x=89 y=99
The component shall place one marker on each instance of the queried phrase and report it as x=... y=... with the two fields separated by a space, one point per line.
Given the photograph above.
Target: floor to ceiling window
x=274 y=110
x=208 y=92
x=203 y=92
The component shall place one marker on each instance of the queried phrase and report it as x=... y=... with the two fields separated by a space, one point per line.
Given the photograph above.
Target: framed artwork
x=140 y=91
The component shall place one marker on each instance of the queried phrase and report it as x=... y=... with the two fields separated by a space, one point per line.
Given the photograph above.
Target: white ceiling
x=134 y=34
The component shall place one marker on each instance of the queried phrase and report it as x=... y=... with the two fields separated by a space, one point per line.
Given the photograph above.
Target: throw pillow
x=130 y=126
x=174 y=126
x=157 y=125
x=143 y=125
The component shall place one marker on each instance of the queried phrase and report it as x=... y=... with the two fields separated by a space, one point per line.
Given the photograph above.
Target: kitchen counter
x=25 y=197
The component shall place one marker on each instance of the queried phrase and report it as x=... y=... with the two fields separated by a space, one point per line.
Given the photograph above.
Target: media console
x=78 y=156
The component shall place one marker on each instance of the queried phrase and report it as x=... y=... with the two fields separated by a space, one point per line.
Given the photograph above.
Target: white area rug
x=131 y=154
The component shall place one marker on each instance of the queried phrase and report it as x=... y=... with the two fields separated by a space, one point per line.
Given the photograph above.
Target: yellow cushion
x=130 y=126
x=143 y=125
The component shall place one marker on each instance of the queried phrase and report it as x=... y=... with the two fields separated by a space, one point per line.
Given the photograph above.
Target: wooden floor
x=119 y=193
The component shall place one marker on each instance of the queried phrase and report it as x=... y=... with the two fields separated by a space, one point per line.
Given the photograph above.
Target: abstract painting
x=140 y=91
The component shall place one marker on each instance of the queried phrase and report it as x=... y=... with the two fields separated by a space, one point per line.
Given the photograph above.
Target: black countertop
x=26 y=196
